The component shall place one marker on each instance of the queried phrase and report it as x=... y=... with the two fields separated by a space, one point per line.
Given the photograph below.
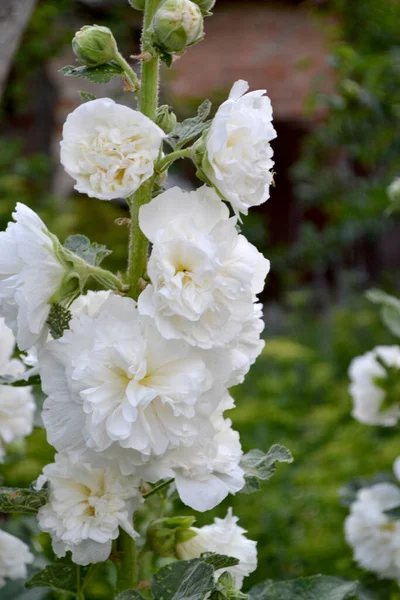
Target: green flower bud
x=138 y=4
x=94 y=45
x=205 y=5
x=166 y=118
x=163 y=535
x=176 y=25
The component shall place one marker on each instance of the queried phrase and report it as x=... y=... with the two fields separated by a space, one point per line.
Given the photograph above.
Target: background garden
x=330 y=229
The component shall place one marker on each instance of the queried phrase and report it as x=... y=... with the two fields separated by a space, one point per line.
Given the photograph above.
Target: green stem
x=127 y=566
x=159 y=487
x=167 y=161
x=129 y=73
x=148 y=99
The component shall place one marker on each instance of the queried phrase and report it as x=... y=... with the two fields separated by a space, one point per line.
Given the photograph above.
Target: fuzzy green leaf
x=390 y=309
x=62 y=575
x=91 y=252
x=21 y=500
x=130 y=595
x=102 y=74
x=191 y=128
x=318 y=587
x=183 y=580
x=219 y=561
x=86 y=97
x=260 y=467
x=18 y=382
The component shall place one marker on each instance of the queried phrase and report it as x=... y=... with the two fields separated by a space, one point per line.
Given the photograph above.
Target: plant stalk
x=148 y=99
x=127 y=566
x=167 y=161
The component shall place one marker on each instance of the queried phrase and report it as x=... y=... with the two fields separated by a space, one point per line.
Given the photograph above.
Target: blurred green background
x=332 y=69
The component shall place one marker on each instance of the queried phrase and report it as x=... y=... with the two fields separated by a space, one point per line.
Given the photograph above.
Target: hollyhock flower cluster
x=225 y=537
x=137 y=390
x=238 y=158
x=109 y=149
x=14 y=558
x=17 y=405
x=375 y=386
x=374 y=535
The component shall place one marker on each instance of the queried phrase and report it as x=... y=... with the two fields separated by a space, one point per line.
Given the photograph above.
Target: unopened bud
x=163 y=535
x=205 y=5
x=138 y=4
x=166 y=118
x=94 y=45
x=176 y=25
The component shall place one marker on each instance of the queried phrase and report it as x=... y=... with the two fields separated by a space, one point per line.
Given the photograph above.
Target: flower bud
x=163 y=535
x=138 y=4
x=166 y=118
x=205 y=5
x=94 y=45
x=177 y=24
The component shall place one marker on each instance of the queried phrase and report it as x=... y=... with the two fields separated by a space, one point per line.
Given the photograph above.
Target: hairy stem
x=129 y=73
x=127 y=565
x=148 y=99
x=159 y=487
x=167 y=161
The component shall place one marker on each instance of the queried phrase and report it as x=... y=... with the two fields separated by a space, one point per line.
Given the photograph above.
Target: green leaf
x=130 y=595
x=318 y=587
x=86 y=97
x=21 y=500
x=18 y=382
x=91 y=252
x=219 y=561
x=260 y=467
x=390 y=309
x=62 y=575
x=190 y=128
x=183 y=580
x=102 y=74
x=393 y=513
x=58 y=320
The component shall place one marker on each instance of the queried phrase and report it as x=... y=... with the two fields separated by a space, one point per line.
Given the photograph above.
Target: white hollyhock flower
x=14 y=558
x=225 y=537
x=117 y=390
x=371 y=375
x=17 y=405
x=30 y=274
x=209 y=470
x=89 y=304
x=374 y=537
x=247 y=346
x=85 y=509
x=238 y=158
x=109 y=149
x=204 y=274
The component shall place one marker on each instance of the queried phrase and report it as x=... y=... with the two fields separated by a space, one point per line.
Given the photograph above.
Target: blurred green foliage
x=351 y=157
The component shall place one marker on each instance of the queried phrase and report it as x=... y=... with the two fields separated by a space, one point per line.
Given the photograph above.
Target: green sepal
x=22 y=500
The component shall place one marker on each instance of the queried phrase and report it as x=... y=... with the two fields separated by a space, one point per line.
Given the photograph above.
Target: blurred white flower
x=374 y=537
x=118 y=390
x=89 y=304
x=17 y=405
x=85 y=509
x=224 y=537
x=238 y=158
x=204 y=275
x=109 y=149
x=375 y=386
x=14 y=558
x=30 y=274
